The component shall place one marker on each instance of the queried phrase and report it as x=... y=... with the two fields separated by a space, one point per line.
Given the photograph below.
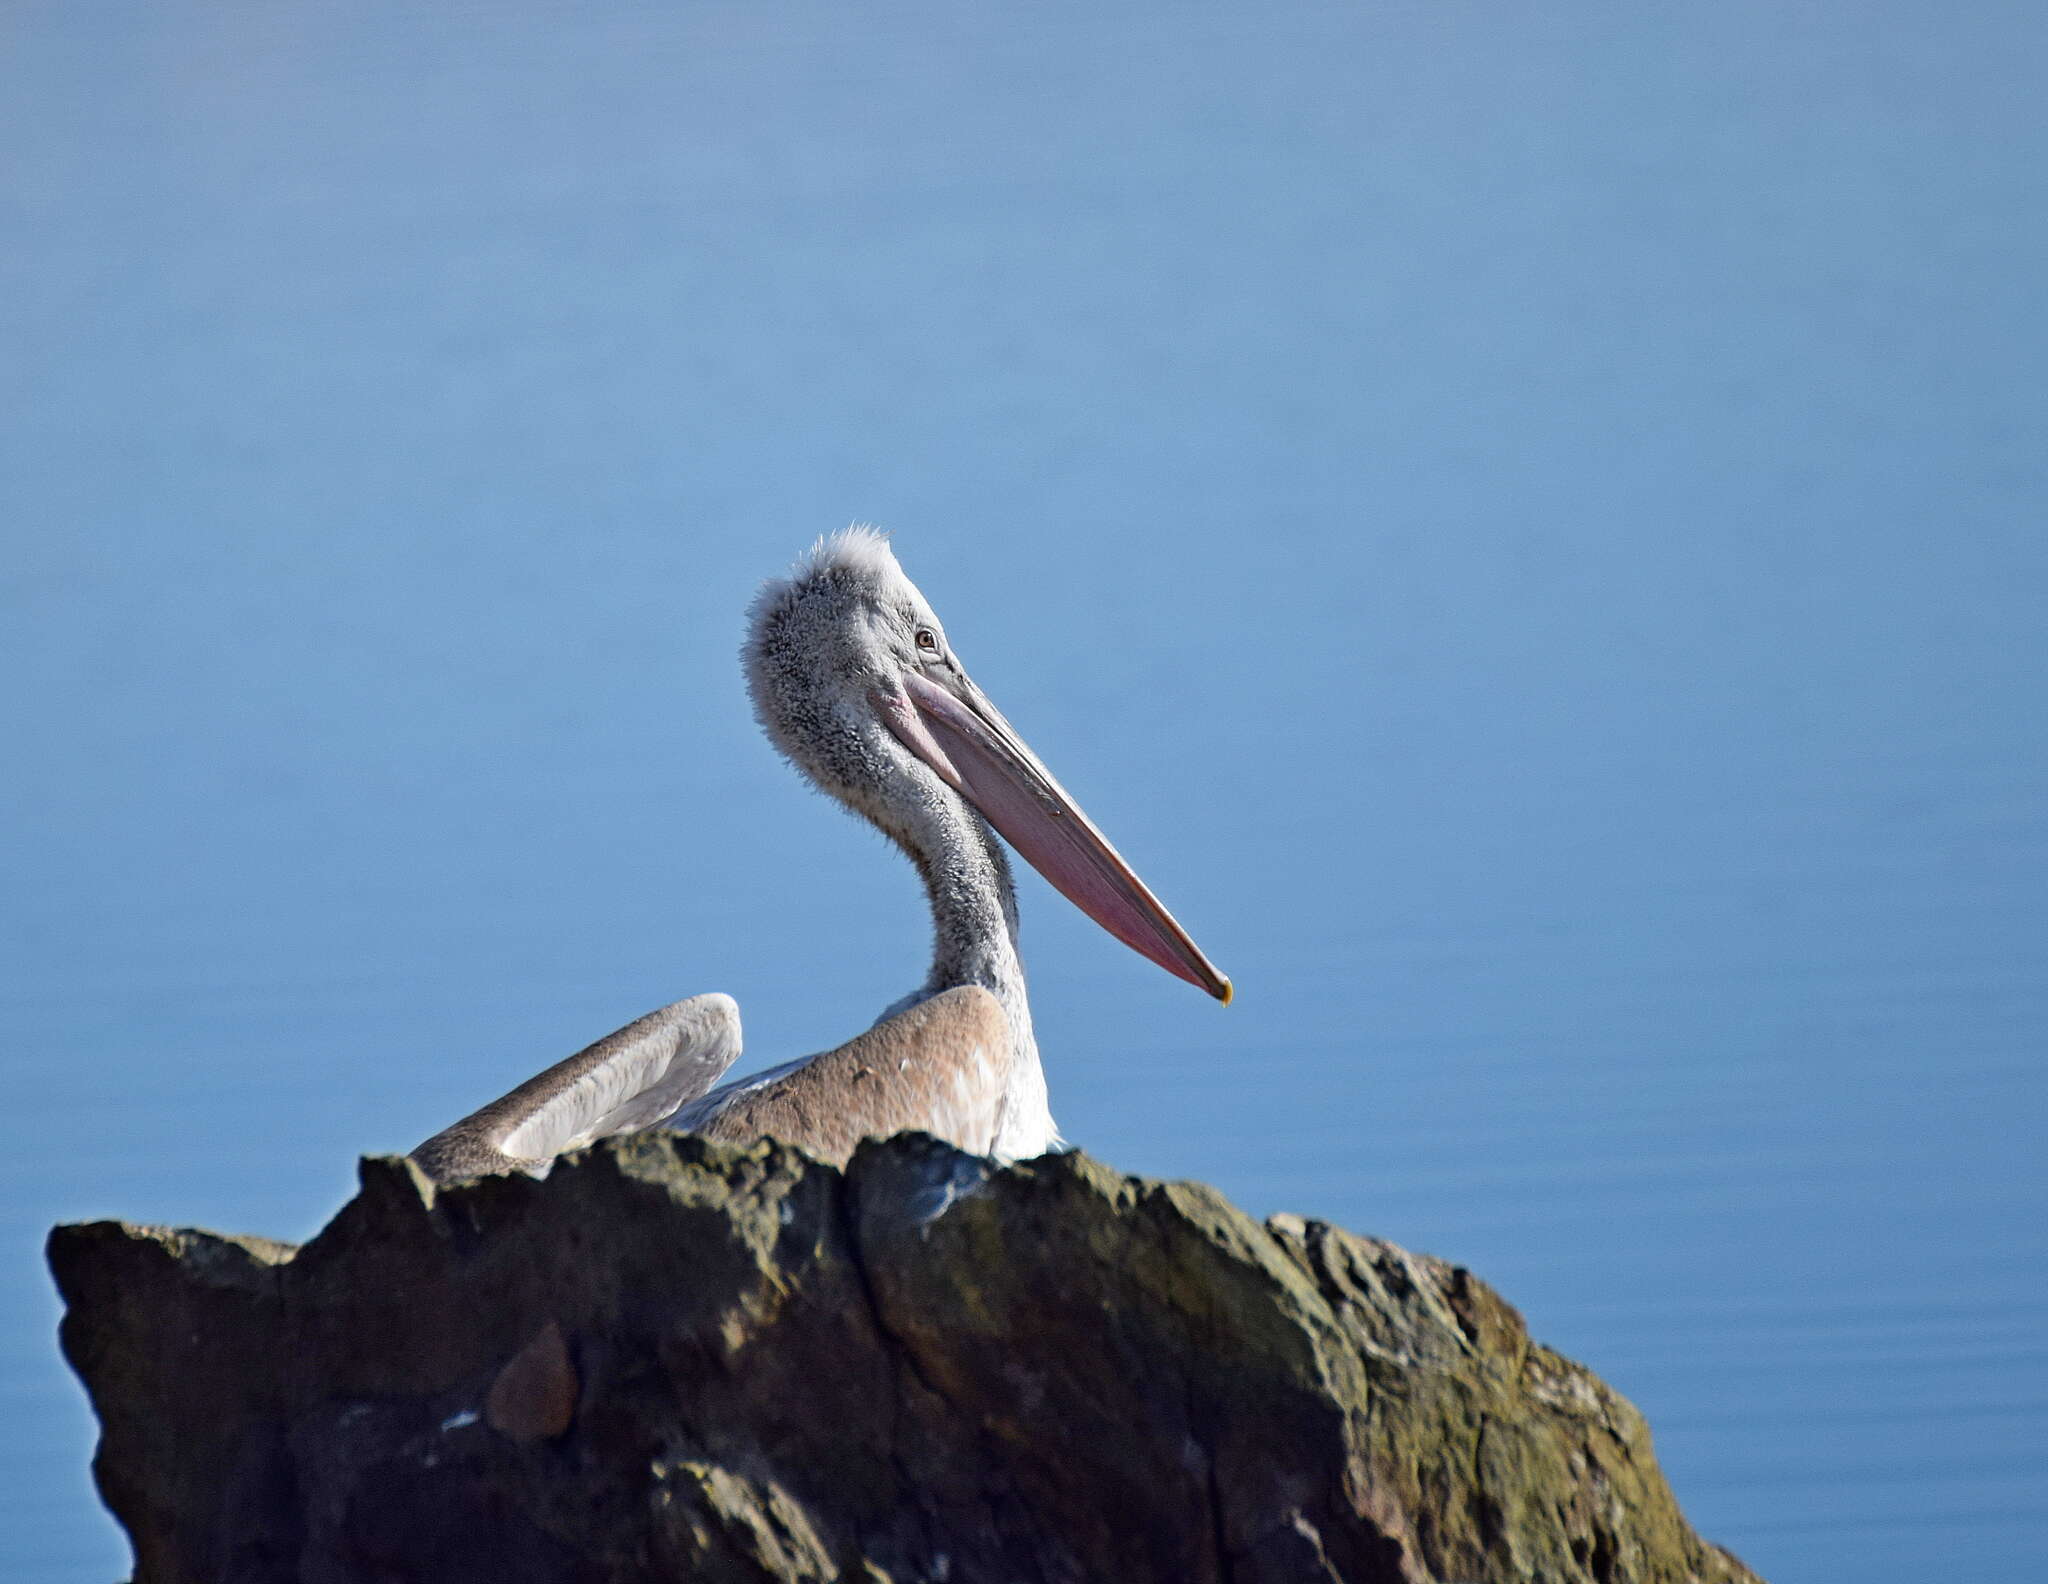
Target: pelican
x=854 y=681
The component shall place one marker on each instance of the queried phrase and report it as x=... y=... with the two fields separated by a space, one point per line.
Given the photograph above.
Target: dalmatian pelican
x=854 y=681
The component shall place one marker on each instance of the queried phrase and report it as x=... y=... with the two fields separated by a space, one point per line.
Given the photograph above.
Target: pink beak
x=975 y=751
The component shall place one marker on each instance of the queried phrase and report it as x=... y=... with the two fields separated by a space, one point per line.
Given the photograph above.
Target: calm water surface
x=1526 y=526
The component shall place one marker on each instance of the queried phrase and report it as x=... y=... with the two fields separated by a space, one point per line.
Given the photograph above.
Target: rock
x=675 y=1359
x=534 y=1396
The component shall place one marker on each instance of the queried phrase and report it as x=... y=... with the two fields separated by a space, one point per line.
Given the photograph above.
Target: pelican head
x=855 y=682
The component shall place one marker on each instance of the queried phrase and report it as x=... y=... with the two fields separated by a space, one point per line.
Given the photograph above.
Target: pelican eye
x=927 y=640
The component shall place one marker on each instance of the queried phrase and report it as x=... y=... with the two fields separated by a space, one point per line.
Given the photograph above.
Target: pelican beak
x=966 y=741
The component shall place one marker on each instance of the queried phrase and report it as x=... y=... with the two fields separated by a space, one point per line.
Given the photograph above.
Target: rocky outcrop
x=679 y=1360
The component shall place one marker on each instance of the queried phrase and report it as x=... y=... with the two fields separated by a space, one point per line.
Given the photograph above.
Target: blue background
x=1524 y=522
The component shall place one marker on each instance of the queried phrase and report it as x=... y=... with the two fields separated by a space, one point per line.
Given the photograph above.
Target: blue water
x=1525 y=523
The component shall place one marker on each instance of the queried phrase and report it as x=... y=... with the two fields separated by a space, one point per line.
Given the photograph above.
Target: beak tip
x=1227 y=993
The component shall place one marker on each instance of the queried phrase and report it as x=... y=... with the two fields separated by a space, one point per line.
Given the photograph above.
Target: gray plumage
x=853 y=680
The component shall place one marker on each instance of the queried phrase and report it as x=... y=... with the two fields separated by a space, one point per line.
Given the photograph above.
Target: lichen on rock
x=675 y=1359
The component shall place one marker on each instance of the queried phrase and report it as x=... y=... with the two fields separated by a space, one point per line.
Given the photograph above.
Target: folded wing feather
x=940 y=1067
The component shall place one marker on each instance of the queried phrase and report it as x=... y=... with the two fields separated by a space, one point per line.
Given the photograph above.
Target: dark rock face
x=676 y=1360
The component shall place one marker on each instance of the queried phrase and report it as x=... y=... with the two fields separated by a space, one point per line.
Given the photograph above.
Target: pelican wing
x=941 y=1067
x=626 y=1081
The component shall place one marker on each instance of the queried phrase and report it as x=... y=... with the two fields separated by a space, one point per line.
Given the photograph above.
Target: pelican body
x=854 y=681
